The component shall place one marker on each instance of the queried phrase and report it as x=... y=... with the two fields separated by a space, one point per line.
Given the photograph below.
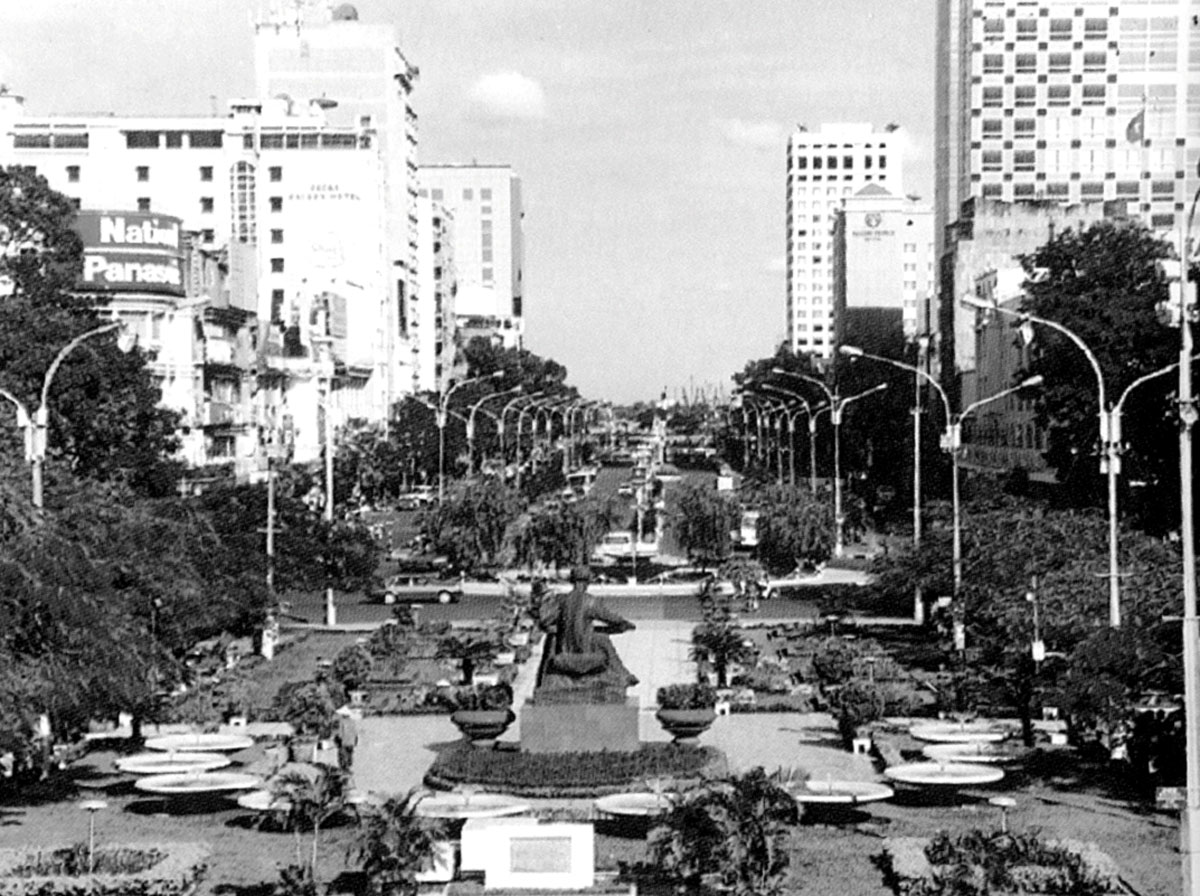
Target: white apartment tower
x=1068 y=101
x=824 y=167
x=489 y=246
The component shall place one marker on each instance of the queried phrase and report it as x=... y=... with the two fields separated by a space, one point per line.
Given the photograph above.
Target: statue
x=579 y=662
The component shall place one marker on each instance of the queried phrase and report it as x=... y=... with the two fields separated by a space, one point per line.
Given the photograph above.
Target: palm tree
x=312 y=794
x=719 y=639
x=396 y=843
x=733 y=827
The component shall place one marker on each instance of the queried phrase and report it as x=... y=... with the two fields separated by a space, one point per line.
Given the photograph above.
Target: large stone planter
x=686 y=725
x=482 y=726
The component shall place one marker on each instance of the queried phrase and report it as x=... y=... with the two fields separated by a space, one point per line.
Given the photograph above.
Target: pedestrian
x=346 y=737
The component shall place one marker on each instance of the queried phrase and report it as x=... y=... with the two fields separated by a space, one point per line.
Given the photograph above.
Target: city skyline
x=650 y=138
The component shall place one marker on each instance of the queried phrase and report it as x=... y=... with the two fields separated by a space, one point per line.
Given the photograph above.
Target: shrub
x=120 y=869
x=309 y=706
x=483 y=697
x=834 y=661
x=352 y=666
x=856 y=704
x=687 y=696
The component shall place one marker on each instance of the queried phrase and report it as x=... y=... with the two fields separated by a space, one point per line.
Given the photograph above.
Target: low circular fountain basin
x=843 y=793
x=979 y=752
x=471 y=805
x=199 y=743
x=198 y=783
x=944 y=774
x=959 y=732
x=640 y=805
x=167 y=763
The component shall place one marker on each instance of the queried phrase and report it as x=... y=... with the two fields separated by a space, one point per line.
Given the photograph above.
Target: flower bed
x=570 y=775
x=150 y=869
x=996 y=863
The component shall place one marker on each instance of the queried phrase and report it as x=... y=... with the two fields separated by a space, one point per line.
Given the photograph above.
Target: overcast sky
x=649 y=135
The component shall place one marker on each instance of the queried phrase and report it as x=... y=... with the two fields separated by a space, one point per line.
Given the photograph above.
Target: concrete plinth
x=580 y=727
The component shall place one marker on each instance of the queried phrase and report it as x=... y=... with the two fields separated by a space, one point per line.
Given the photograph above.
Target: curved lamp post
x=471 y=423
x=442 y=405
x=837 y=404
x=951 y=439
x=504 y=413
x=36 y=425
x=811 y=415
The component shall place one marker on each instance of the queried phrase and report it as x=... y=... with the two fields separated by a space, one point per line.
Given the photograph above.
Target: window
x=1059 y=95
x=831 y=162
x=31 y=141
x=1026 y=29
x=1060 y=62
x=1091 y=190
x=73 y=174
x=992 y=127
x=247 y=141
x=206 y=172
x=487 y=275
x=991 y=191
x=1097 y=27
x=1024 y=127
x=817 y=161
x=174 y=139
x=436 y=195
x=277 y=236
x=468 y=193
x=1025 y=95
x=208 y=235
x=275 y=174
x=141 y=139
x=276 y=203
x=143 y=173
x=485 y=195
x=277 y=306
x=994 y=28
x=209 y=140
x=143 y=204
x=847 y=162
x=1057 y=190
x=992 y=159
x=882 y=162
x=206 y=204
x=243 y=190
x=1060 y=29
x=1096 y=61
x=276 y=265
x=71 y=141
x=1024 y=160
x=1027 y=62
x=1161 y=188
x=1128 y=188
x=1093 y=94
x=992 y=97
x=993 y=63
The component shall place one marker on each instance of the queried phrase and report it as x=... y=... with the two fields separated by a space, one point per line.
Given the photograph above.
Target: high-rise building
x=431 y=330
x=883 y=265
x=1064 y=102
x=823 y=168
x=489 y=246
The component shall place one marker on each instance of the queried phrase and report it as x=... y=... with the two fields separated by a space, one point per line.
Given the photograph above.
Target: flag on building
x=1135 y=131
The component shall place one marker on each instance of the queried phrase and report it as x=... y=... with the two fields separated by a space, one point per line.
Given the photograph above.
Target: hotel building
x=823 y=168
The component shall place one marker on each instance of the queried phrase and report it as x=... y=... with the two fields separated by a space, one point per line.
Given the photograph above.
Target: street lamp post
x=812 y=431
x=837 y=404
x=1110 y=462
x=471 y=423
x=36 y=425
x=951 y=440
x=443 y=404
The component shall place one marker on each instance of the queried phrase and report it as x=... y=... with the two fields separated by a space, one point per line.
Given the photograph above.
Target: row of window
x=1055 y=95
x=174 y=139
x=1055 y=63
x=831 y=162
x=216 y=139
x=1058 y=29
x=468 y=194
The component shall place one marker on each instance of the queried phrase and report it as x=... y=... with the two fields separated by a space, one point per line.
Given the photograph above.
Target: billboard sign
x=130 y=252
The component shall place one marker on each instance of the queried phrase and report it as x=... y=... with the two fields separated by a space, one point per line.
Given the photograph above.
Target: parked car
x=408 y=587
x=620 y=545
x=420 y=496
x=685 y=575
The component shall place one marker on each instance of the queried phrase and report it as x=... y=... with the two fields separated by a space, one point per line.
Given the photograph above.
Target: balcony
x=218 y=413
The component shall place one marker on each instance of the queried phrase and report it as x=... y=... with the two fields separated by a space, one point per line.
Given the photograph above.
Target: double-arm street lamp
x=951 y=441
x=837 y=404
x=442 y=406
x=811 y=415
x=471 y=422
x=36 y=425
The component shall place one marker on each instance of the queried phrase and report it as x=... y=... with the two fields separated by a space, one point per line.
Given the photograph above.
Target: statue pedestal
x=580 y=727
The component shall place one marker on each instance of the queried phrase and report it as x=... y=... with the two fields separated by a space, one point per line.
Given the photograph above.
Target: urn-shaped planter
x=482 y=726
x=686 y=725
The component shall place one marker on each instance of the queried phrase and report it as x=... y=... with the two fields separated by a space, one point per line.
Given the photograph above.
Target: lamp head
x=126 y=341
x=497 y=374
x=1036 y=380
x=851 y=351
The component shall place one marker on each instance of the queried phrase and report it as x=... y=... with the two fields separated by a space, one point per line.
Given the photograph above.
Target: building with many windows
x=432 y=329
x=489 y=246
x=1062 y=102
x=824 y=167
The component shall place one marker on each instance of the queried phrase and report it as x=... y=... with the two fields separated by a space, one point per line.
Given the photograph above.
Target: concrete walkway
x=395 y=752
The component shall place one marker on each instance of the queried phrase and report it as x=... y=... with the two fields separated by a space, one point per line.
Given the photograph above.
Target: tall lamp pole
x=36 y=426
x=471 y=423
x=837 y=404
x=951 y=439
x=1110 y=461
x=804 y=406
x=443 y=404
x=504 y=413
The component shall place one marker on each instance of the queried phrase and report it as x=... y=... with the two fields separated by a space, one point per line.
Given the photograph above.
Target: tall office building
x=1068 y=101
x=489 y=246
x=824 y=167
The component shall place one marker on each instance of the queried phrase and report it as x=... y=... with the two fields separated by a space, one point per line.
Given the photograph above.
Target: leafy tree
x=470 y=523
x=369 y=467
x=397 y=842
x=313 y=795
x=734 y=829
x=793 y=527
x=703 y=523
x=1102 y=284
x=104 y=419
x=563 y=533
x=719 y=639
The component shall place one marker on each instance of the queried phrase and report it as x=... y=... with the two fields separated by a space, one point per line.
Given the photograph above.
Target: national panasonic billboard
x=130 y=252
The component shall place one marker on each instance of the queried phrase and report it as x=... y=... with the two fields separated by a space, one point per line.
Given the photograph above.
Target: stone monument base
x=580 y=727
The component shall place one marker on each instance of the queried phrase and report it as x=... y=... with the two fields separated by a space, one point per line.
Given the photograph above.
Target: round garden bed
x=571 y=775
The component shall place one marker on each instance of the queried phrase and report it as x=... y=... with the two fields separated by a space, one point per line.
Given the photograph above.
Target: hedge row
x=175 y=873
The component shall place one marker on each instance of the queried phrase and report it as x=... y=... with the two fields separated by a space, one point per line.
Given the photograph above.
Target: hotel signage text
x=130 y=252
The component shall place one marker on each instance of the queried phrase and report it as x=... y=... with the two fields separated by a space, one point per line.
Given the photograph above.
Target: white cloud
x=752 y=134
x=508 y=96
